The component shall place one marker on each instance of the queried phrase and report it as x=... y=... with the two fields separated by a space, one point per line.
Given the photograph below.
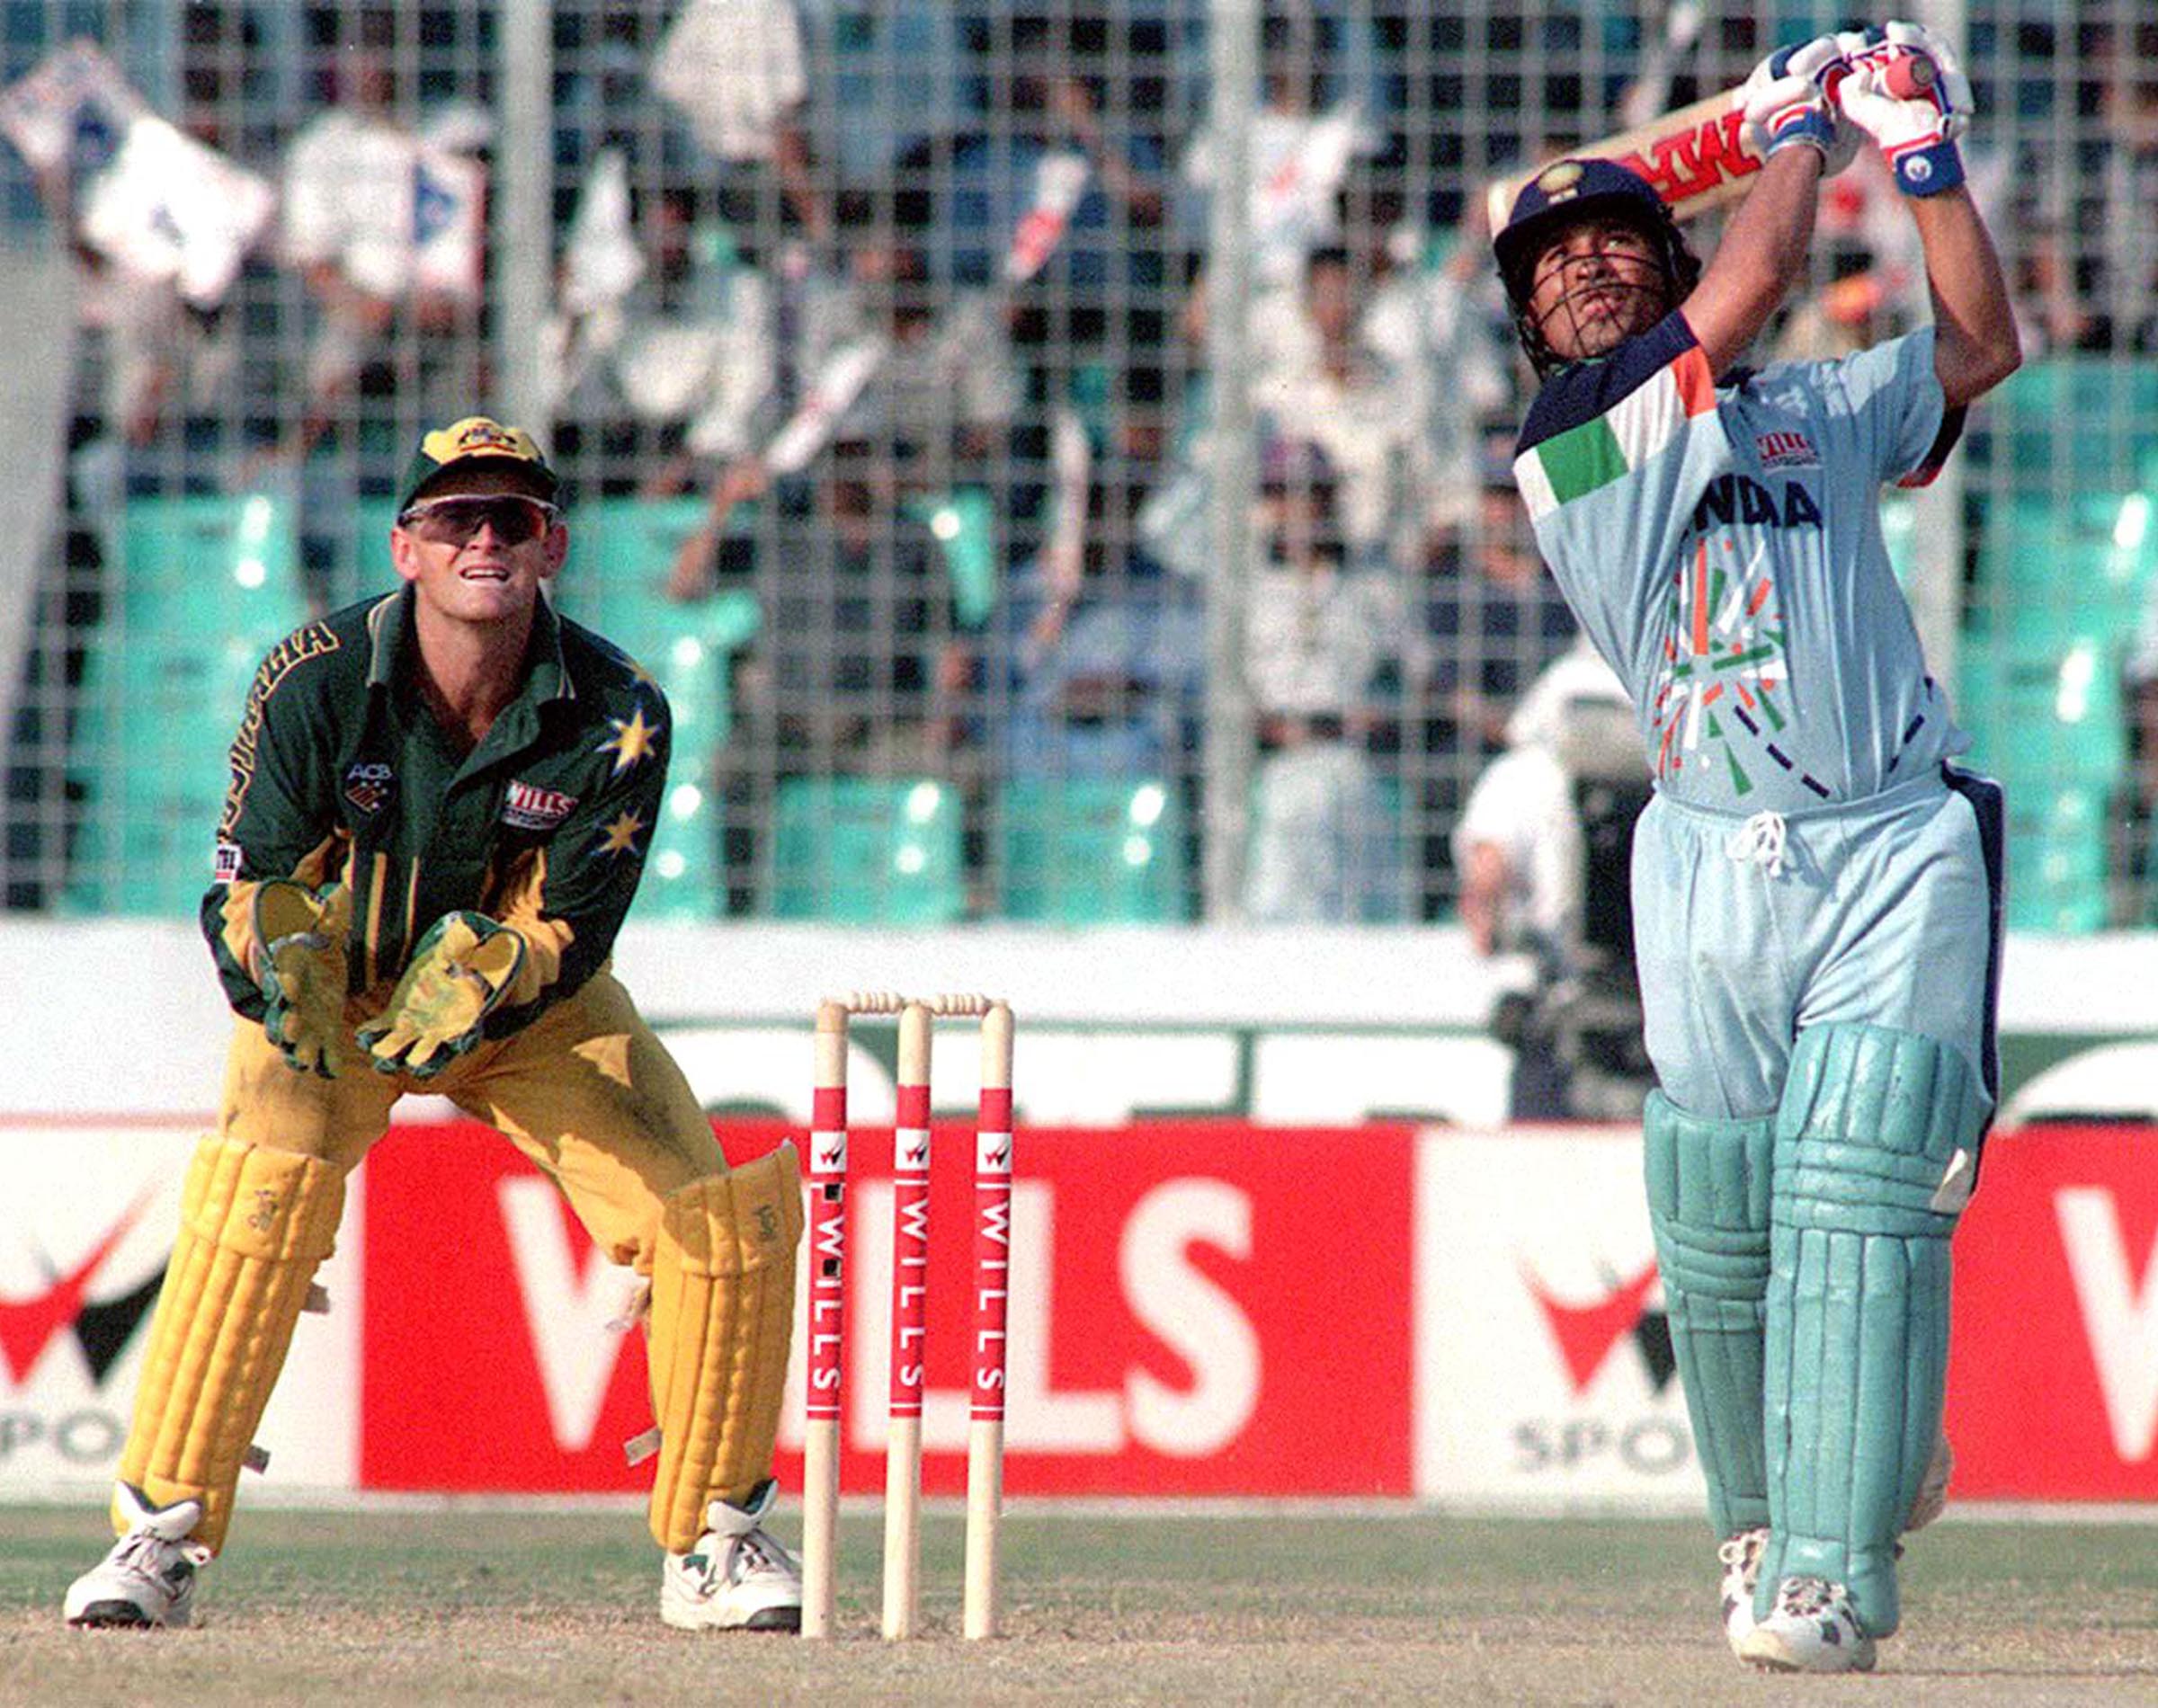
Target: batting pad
x=1708 y=1205
x=1857 y=1302
x=253 y=1224
x=722 y=1325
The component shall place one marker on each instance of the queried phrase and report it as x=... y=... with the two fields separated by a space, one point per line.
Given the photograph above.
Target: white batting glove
x=1913 y=111
x=1788 y=100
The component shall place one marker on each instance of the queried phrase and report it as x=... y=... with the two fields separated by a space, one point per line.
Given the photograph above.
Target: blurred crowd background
x=1018 y=532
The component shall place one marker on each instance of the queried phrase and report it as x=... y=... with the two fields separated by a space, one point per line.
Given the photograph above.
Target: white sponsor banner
x=86 y=1231
x=1543 y=1363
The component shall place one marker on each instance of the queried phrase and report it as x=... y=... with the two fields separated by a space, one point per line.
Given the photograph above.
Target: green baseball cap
x=475 y=439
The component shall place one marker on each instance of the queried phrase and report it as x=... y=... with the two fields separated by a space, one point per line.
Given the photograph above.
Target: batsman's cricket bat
x=1698 y=157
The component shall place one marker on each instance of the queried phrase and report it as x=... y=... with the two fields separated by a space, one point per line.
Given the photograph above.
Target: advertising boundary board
x=1201 y=1309
x=1287 y=1027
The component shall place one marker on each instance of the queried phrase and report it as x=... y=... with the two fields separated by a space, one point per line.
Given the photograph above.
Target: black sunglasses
x=515 y=519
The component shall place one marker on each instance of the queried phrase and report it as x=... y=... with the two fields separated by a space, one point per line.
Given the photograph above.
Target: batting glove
x=1787 y=101
x=456 y=979
x=1905 y=90
x=303 y=972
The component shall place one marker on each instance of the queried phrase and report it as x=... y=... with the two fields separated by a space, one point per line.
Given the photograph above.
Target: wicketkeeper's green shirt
x=341 y=773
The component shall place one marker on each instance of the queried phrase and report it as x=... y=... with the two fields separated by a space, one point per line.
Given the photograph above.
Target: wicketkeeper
x=440 y=806
x=1817 y=890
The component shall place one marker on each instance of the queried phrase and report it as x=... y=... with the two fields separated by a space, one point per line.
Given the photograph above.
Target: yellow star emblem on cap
x=620 y=837
x=631 y=740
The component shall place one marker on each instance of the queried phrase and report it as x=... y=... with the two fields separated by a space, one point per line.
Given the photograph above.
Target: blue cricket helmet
x=1569 y=189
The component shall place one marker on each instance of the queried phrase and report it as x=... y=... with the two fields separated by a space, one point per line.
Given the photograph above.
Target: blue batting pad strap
x=1708 y=1205
x=1858 y=1301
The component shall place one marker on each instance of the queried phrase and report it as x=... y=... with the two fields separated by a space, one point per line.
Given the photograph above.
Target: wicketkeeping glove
x=1787 y=101
x=456 y=976
x=1917 y=131
x=303 y=972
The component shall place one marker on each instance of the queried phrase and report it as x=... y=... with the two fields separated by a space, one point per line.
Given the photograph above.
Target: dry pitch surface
x=558 y=1607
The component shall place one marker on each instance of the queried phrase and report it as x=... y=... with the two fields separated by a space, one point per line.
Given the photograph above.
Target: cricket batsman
x=1817 y=890
x=440 y=805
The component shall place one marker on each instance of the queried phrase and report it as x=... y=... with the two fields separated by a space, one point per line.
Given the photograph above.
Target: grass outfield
x=559 y=1607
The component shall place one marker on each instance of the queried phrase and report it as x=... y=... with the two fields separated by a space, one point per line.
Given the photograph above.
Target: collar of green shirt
x=389 y=631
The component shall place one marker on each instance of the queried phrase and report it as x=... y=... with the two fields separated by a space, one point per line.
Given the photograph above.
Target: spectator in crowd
x=1491 y=615
x=1303 y=136
x=151 y=267
x=1101 y=656
x=1491 y=619
x=2095 y=260
x=1440 y=322
x=1319 y=632
x=877 y=355
x=383 y=224
x=1324 y=384
x=1542 y=849
x=662 y=350
x=820 y=97
x=860 y=658
x=1055 y=201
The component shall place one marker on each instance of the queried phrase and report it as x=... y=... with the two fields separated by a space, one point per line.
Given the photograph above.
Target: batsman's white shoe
x=737 y=1578
x=1741 y=1555
x=1812 y=1628
x=150 y=1577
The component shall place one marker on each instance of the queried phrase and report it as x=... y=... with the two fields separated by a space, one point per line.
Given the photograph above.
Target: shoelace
x=1758 y=842
x=155 y=1556
x=1743 y=1549
x=1805 y=1597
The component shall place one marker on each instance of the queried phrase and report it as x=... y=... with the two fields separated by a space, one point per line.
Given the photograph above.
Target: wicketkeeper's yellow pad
x=722 y=1325
x=253 y=1224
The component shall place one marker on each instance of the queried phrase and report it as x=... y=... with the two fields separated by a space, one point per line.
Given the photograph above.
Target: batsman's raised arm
x=1790 y=114
x=1975 y=342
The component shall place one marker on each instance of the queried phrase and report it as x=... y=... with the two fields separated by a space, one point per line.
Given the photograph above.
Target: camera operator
x=1542 y=847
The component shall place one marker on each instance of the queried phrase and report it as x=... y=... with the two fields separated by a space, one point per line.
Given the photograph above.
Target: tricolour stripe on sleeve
x=1636 y=427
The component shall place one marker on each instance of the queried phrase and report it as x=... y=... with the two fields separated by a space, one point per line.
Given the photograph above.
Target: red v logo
x=28 y=1325
x=1586 y=1333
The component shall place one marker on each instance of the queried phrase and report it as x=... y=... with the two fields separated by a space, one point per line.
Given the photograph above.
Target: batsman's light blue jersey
x=1721 y=544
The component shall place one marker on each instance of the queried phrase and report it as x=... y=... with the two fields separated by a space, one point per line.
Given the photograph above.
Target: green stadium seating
x=620 y=553
x=2043 y=707
x=2075 y=422
x=2057 y=859
x=963 y=522
x=687 y=649
x=371 y=571
x=2088 y=553
x=1082 y=851
x=867 y=851
x=201 y=588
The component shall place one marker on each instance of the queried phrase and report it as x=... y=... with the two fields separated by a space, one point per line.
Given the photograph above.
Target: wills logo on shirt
x=368 y=784
x=1786 y=450
x=529 y=807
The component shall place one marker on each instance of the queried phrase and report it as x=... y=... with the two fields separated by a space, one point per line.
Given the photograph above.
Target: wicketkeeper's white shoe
x=737 y=1578
x=1741 y=1555
x=150 y=1577
x=1812 y=1628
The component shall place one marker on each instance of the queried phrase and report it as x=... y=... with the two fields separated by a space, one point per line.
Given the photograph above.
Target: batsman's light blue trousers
x=1886 y=912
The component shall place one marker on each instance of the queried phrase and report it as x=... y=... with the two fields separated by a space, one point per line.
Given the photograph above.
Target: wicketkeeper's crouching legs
x=253 y=1224
x=721 y=1328
x=1867 y=1187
